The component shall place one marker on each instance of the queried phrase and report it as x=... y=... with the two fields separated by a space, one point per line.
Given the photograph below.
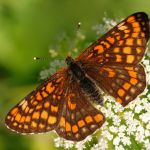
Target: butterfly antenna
x=40 y=58
x=44 y=58
x=79 y=25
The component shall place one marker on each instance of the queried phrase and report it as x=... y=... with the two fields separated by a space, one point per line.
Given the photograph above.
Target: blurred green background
x=27 y=29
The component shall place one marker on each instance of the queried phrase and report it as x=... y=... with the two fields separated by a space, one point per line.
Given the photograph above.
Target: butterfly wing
x=78 y=117
x=124 y=44
x=38 y=112
x=122 y=82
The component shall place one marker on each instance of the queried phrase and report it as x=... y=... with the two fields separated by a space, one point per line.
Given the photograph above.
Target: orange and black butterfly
x=63 y=102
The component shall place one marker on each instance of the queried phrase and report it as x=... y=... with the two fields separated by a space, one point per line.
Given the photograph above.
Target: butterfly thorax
x=75 y=69
x=87 y=85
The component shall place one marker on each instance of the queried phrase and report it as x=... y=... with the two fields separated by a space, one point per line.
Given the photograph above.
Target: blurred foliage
x=30 y=28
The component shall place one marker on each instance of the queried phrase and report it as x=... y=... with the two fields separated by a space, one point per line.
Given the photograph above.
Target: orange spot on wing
x=81 y=123
x=120 y=42
x=111 y=74
x=46 y=104
x=139 y=42
x=121 y=92
x=24 y=105
x=18 y=117
x=136 y=29
x=44 y=114
x=33 y=124
x=118 y=37
x=41 y=125
x=133 y=81
x=89 y=56
x=118 y=58
x=26 y=127
x=131 y=19
x=98 y=117
x=44 y=94
x=106 y=44
x=52 y=120
x=54 y=108
x=54 y=96
x=126 y=86
x=127 y=31
x=129 y=68
x=99 y=48
x=71 y=106
x=138 y=50
x=116 y=50
x=36 y=115
x=15 y=124
x=68 y=126
x=132 y=74
x=31 y=110
x=126 y=35
x=38 y=96
x=22 y=119
x=135 y=24
x=14 y=111
x=38 y=107
x=75 y=129
x=50 y=88
x=34 y=102
x=88 y=119
x=135 y=35
x=58 y=97
x=62 y=122
x=28 y=119
x=123 y=27
x=142 y=34
x=59 y=79
x=130 y=59
x=127 y=50
x=111 y=40
x=129 y=41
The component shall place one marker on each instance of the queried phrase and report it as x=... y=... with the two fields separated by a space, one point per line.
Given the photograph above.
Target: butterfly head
x=69 y=60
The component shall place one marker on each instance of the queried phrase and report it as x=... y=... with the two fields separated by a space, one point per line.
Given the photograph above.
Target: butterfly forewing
x=39 y=111
x=124 y=44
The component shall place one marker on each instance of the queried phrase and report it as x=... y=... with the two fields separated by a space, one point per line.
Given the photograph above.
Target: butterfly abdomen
x=86 y=84
x=91 y=90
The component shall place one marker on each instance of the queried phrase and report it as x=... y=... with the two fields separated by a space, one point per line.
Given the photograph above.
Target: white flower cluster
x=106 y=24
x=53 y=67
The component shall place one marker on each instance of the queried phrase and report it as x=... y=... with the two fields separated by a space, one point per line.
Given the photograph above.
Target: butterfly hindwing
x=38 y=112
x=124 y=83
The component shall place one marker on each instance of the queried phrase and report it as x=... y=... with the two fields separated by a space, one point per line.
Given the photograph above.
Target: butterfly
x=64 y=101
